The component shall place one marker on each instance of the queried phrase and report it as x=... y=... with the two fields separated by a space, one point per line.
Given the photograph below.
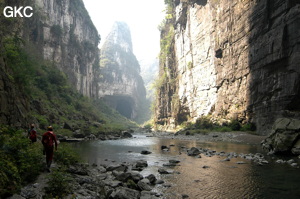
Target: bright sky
x=142 y=16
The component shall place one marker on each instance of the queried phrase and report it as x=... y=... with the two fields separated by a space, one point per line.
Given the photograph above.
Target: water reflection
x=219 y=179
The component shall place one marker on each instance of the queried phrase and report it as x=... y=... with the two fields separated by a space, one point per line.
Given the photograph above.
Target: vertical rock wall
x=234 y=60
x=60 y=31
x=67 y=36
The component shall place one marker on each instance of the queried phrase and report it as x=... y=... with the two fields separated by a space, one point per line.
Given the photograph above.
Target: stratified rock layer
x=233 y=60
x=67 y=36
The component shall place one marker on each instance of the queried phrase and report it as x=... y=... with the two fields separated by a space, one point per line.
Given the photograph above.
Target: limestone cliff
x=62 y=33
x=67 y=36
x=230 y=59
x=121 y=85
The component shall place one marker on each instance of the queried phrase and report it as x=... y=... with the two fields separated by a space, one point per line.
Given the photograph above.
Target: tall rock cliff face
x=60 y=32
x=121 y=85
x=232 y=60
x=66 y=35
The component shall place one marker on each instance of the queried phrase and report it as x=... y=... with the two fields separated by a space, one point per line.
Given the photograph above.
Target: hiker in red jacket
x=48 y=140
x=32 y=133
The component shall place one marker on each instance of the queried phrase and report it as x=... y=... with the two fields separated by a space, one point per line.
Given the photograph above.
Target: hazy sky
x=142 y=16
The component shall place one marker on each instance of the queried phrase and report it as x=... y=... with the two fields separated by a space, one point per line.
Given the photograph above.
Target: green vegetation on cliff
x=52 y=99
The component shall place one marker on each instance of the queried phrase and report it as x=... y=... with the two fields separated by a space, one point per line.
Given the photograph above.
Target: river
x=205 y=177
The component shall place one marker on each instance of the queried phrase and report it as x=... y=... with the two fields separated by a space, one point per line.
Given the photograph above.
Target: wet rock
x=152 y=179
x=226 y=159
x=124 y=193
x=163 y=171
x=136 y=176
x=141 y=164
x=122 y=176
x=193 y=151
x=184 y=196
x=117 y=167
x=144 y=185
x=145 y=152
x=126 y=134
x=174 y=161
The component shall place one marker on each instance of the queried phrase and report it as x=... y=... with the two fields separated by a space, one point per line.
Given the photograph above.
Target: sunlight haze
x=143 y=18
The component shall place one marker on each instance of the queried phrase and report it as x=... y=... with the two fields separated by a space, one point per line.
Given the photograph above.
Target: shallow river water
x=220 y=179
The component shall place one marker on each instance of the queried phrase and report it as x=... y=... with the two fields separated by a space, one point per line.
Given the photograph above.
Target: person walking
x=32 y=133
x=49 y=140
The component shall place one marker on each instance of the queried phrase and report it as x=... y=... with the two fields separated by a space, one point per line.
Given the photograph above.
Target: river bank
x=235 y=137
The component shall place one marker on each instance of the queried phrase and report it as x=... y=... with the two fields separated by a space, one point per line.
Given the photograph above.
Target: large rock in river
x=285 y=137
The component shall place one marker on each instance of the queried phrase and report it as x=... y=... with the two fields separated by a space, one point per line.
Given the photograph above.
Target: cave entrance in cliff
x=123 y=104
x=124 y=108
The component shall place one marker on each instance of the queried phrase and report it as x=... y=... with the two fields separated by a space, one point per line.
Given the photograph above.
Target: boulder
x=141 y=164
x=163 y=171
x=117 y=167
x=193 y=151
x=126 y=134
x=145 y=152
x=174 y=161
x=152 y=179
x=136 y=176
x=125 y=193
x=284 y=138
x=144 y=185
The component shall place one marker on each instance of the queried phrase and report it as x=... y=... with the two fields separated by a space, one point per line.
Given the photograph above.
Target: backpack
x=32 y=135
x=48 y=139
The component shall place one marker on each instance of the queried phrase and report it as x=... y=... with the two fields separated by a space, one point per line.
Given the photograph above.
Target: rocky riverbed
x=124 y=180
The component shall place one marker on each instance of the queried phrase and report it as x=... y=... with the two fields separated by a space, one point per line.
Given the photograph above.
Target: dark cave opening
x=124 y=108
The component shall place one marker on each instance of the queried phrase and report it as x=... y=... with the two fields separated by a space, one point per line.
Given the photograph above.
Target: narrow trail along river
x=205 y=177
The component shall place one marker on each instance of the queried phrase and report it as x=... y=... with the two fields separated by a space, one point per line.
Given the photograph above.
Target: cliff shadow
x=274 y=60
